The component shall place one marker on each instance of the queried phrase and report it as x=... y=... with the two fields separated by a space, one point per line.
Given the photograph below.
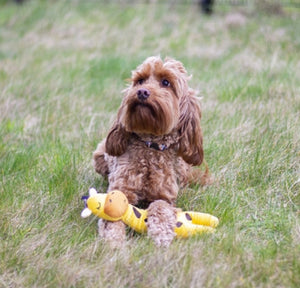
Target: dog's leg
x=100 y=164
x=161 y=222
x=112 y=232
x=188 y=174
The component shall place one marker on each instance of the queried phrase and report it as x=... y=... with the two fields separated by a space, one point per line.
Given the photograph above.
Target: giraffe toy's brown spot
x=136 y=213
x=188 y=217
x=178 y=224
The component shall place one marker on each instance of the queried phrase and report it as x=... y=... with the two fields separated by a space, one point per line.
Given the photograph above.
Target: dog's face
x=151 y=104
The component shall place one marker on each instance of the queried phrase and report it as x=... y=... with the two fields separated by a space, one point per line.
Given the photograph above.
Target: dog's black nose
x=143 y=94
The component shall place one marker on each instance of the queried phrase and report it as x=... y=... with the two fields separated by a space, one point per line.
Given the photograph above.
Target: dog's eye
x=140 y=81
x=165 y=83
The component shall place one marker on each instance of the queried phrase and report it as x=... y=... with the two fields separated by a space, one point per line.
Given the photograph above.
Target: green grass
x=63 y=66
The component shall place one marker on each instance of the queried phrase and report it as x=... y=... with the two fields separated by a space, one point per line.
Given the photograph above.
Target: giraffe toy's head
x=111 y=206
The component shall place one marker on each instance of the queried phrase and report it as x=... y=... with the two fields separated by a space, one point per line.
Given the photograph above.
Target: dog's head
x=151 y=102
x=159 y=101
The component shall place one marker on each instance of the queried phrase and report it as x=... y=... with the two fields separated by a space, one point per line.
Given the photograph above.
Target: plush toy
x=114 y=206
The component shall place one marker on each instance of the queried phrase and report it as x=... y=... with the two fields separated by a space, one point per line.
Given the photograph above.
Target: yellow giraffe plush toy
x=114 y=206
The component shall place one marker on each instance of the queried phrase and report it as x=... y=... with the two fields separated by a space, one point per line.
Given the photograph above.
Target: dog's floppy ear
x=117 y=140
x=190 y=134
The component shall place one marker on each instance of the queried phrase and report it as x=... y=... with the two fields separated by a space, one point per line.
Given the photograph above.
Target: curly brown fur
x=161 y=222
x=112 y=232
x=153 y=144
x=100 y=164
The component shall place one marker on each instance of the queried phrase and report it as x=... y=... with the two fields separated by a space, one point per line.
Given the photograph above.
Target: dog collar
x=159 y=147
x=151 y=144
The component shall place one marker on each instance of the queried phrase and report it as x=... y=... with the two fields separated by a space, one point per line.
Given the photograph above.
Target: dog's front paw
x=112 y=232
x=161 y=223
x=162 y=239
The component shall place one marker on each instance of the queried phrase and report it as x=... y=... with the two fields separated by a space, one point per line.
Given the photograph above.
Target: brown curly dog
x=152 y=145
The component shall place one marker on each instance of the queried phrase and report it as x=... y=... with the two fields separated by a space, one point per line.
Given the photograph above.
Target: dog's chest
x=150 y=159
x=147 y=173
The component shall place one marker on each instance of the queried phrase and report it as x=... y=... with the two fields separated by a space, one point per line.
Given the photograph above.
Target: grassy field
x=62 y=67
